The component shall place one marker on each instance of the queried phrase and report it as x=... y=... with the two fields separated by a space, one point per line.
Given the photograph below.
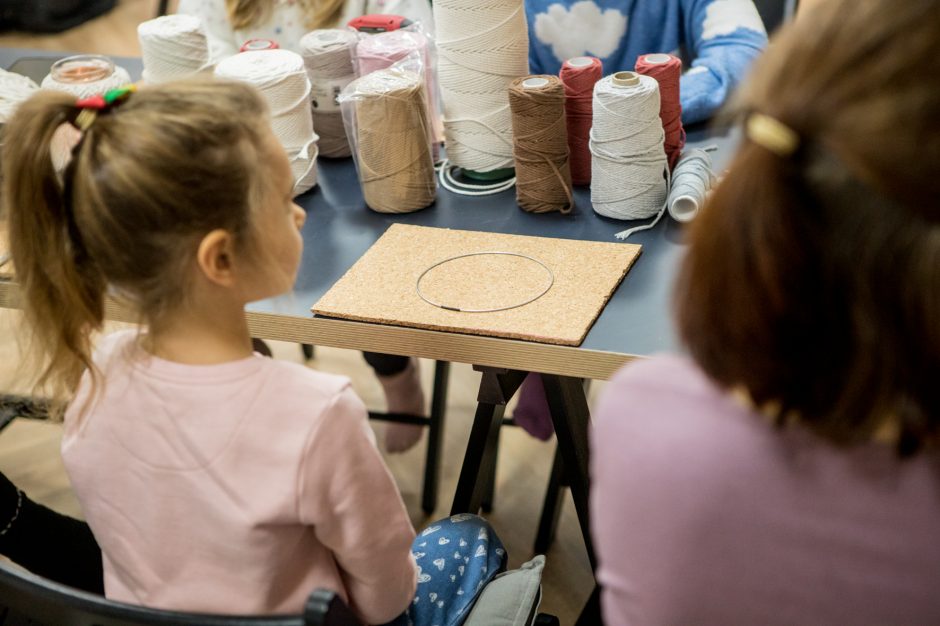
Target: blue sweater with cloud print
x=721 y=37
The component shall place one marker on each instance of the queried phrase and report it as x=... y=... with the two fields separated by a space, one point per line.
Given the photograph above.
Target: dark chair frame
x=30 y=600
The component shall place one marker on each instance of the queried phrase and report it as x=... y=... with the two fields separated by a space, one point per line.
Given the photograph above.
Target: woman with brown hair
x=788 y=472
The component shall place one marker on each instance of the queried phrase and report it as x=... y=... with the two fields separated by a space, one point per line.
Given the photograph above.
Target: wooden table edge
x=427 y=344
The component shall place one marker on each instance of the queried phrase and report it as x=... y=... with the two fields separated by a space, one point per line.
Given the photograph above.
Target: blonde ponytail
x=146 y=182
x=63 y=292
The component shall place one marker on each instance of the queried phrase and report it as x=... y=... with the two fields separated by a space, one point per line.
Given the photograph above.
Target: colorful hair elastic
x=102 y=102
x=772 y=134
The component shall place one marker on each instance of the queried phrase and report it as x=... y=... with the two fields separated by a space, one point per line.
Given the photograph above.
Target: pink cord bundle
x=381 y=51
x=578 y=75
x=667 y=69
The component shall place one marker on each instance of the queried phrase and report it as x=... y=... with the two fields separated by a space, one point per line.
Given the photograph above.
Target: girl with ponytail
x=229 y=23
x=213 y=479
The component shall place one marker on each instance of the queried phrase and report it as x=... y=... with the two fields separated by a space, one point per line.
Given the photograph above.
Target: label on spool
x=324 y=93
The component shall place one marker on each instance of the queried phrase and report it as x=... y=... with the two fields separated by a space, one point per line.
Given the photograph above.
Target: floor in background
x=29 y=451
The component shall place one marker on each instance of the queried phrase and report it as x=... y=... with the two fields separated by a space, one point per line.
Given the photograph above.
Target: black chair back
x=30 y=600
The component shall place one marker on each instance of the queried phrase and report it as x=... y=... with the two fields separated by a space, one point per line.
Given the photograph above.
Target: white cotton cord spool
x=327 y=56
x=281 y=78
x=14 y=89
x=628 y=164
x=172 y=47
x=482 y=45
x=85 y=75
x=691 y=180
x=451 y=184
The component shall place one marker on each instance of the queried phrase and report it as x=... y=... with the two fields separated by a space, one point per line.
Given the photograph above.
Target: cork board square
x=381 y=286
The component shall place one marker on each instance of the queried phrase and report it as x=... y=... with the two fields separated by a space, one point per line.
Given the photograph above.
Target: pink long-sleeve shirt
x=236 y=488
x=705 y=513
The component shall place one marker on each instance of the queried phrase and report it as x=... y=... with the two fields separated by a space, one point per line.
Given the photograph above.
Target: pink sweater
x=705 y=513
x=236 y=488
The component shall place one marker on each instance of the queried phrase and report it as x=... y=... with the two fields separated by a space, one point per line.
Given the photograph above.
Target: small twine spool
x=629 y=165
x=85 y=75
x=579 y=76
x=667 y=70
x=172 y=47
x=396 y=168
x=327 y=56
x=691 y=180
x=540 y=149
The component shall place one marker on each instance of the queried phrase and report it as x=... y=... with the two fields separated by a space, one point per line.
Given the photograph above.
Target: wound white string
x=327 y=55
x=172 y=47
x=14 y=89
x=281 y=78
x=483 y=45
x=85 y=75
x=628 y=165
x=691 y=180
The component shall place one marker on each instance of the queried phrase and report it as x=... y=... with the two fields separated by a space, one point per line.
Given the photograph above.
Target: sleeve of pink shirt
x=348 y=496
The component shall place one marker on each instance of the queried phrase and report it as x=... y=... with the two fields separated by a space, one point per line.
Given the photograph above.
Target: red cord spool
x=578 y=75
x=667 y=69
x=259 y=44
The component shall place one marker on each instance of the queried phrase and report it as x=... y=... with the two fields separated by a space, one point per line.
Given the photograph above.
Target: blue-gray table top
x=340 y=228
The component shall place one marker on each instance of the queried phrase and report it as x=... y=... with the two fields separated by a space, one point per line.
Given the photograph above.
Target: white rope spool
x=281 y=78
x=14 y=89
x=173 y=47
x=628 y=165
x=483 y=45
x=85 y=75
x=691 y=180
x=327 y=56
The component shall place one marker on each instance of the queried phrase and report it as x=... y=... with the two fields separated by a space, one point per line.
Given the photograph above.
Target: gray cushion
x=511 y=598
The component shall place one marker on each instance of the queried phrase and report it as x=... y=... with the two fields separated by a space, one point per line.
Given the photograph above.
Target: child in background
x=213 y=479
x=229 y=23
x=722 y=37
x=717 y=39
x=788 y=470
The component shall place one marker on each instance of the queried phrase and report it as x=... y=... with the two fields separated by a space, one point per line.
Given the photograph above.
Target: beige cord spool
x=394 y=142
x=543 y=175
x=328 y=59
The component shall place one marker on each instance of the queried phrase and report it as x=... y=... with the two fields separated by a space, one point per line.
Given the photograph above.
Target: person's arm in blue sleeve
x=724 y=37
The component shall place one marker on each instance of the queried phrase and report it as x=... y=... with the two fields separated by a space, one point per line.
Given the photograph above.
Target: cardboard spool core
x=535 y=82
x=625 y=79
x=580 y=61
x=656 y=59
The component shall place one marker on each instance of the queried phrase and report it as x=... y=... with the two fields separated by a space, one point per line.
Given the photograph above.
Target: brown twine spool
x=328 y=59
x=396 y=168
x=540 y=144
